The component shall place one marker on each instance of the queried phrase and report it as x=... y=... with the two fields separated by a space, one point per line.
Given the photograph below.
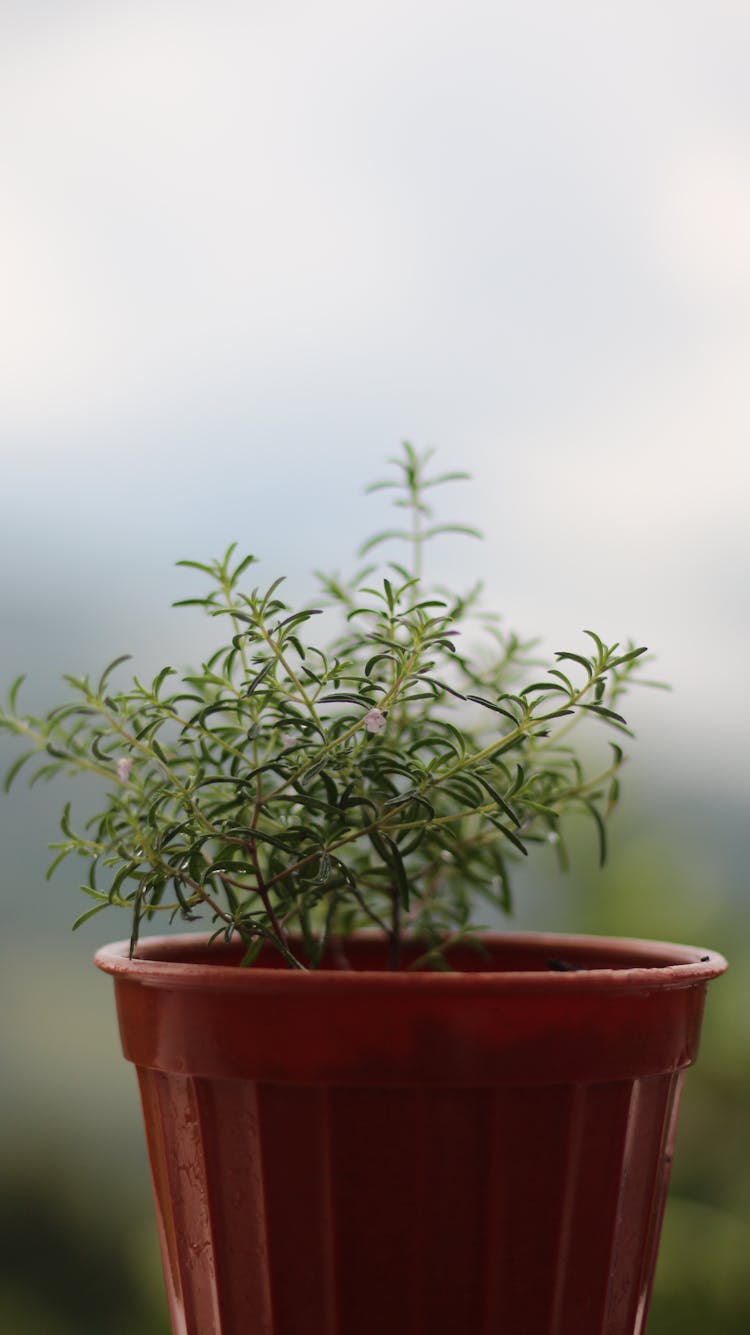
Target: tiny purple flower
x=124 y=766
x=375 y=720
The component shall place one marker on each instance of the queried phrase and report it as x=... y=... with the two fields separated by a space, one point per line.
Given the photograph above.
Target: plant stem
x=394 y=936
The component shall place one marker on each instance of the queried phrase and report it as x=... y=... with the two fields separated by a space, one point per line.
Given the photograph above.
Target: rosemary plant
x=294 y=791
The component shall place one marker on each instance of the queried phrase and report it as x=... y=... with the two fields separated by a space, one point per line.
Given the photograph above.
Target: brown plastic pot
x=353 y=1153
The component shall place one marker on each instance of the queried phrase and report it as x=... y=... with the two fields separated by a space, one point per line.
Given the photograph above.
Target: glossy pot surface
x=353 y=1152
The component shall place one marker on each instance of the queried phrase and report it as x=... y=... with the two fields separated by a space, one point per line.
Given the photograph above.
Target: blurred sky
x=246 y=248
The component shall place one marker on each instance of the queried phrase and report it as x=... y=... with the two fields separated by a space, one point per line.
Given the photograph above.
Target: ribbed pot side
x=354 y=1153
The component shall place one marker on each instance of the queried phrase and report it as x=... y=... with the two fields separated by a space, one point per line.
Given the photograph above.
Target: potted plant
x=364 y=1113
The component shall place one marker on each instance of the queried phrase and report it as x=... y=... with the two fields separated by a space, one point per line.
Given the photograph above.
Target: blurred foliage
x=72 y=1265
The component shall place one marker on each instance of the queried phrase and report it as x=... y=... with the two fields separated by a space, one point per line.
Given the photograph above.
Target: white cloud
x=518 y=234
x=705 y=221
x=231 y=202
x=672 y=465
x=175 y=211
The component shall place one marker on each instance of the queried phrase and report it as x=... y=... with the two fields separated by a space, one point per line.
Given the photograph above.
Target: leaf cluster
x=295 y=788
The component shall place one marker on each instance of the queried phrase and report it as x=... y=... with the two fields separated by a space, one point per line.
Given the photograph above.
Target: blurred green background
x=243 y=251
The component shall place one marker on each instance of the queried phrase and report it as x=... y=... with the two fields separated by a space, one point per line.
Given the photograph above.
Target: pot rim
x=653 y=965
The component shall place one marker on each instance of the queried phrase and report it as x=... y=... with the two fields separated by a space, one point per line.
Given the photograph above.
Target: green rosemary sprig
x=294 y=790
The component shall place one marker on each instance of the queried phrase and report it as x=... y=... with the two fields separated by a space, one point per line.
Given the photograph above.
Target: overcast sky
x=246 y=248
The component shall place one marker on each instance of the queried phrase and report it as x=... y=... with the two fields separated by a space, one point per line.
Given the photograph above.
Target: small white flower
x=124 y=766
x=375 y=720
